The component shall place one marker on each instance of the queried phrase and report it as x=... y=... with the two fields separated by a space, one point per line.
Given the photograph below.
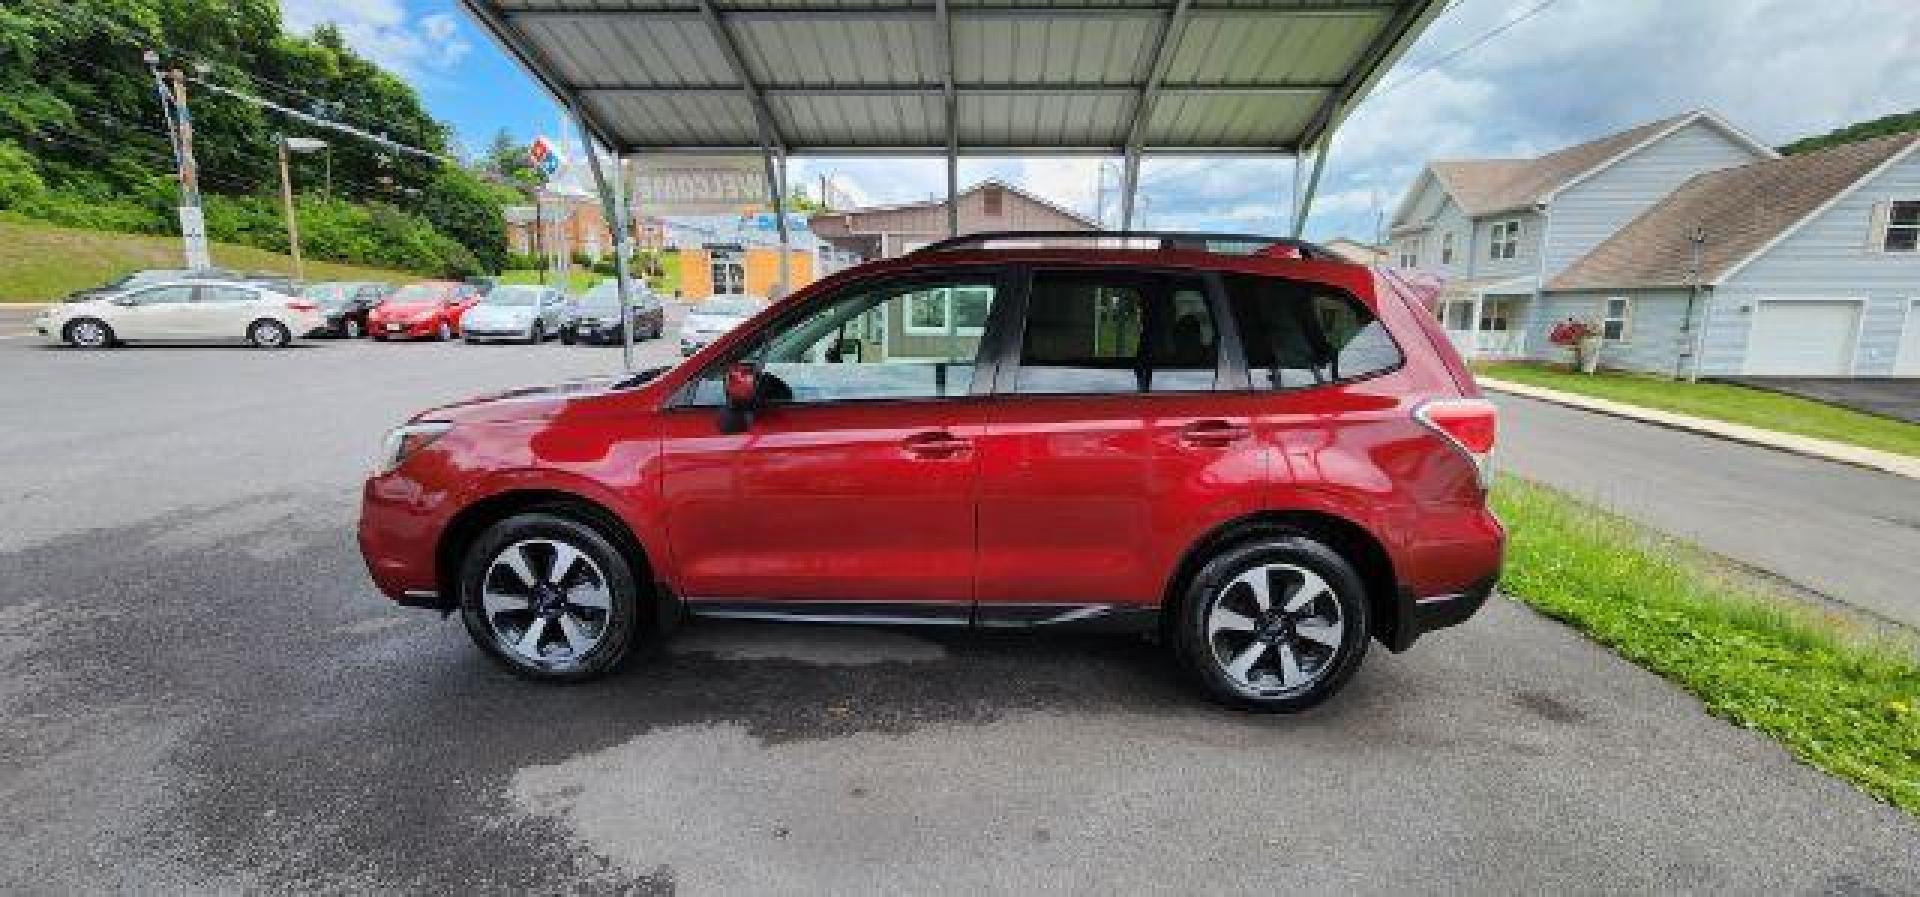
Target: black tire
x=566 y=337
x=351 y=329
x=626 y=629
x=536 y=332
x=1207 y=655
x=443 y=332
x=267 y=333
x=88 y=333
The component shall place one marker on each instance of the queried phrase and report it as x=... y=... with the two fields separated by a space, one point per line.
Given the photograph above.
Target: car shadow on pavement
x=317 y=736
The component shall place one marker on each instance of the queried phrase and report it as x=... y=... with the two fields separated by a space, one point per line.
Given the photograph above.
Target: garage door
x=1803 y=337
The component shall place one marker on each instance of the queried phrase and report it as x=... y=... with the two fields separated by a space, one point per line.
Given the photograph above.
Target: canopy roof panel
x=977 y=77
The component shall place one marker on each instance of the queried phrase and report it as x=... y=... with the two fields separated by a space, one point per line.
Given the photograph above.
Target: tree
x=1898 y=123
x=464 y=208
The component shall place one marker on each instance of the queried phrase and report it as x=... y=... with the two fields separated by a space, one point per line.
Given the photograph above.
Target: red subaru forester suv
x=1264 y=454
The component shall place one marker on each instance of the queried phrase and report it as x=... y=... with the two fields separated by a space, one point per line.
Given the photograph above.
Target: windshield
x=417 y=292
x=606 y=295
x=328 y=292
x=732 y=308
x=512 y=295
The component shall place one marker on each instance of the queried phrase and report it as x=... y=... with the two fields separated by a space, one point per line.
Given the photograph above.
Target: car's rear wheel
x=268 y=334
x=351 y=327
x=443 y=331
x=1276 y=624
x=551 y=598
x=536 y=332
x=566 y=337
x=89 y=333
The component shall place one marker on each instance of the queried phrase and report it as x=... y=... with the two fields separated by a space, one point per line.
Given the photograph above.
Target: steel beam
x=920 y=11
x=943 y=18
x=770 y=138
x=1380 y=55
x=613 y=208
x=938 y=89
x=1156 y=70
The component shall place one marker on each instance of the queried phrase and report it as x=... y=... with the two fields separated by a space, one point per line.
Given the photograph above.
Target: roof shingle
x=1741 y=210
x=1486 y=186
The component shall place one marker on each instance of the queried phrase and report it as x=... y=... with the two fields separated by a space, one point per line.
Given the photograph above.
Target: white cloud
x=381 y=30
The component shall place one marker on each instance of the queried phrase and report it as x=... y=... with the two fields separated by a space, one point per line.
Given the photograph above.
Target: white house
x=1693 y=246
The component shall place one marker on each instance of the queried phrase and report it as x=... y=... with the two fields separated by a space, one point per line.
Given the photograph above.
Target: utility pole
x=173 y=102
x=293 y=221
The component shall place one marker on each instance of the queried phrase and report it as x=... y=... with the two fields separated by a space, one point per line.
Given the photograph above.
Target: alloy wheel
x=547 y=602
x=268 y=335
x=88 y=334
x=353 y=329
x=1275 y=629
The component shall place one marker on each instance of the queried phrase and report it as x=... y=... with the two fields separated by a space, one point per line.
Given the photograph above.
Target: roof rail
x=1231 y=244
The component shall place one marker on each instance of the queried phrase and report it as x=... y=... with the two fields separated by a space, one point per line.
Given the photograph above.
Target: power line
x=1474 y=44
x=319 y=122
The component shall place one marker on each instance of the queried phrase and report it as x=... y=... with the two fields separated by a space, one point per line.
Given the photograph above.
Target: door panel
x=1907 y=363
x=220 y=312
x=157 y=313
x=828 y=502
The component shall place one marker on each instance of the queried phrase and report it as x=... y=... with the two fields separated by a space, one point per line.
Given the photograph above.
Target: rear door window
x=1116 y=332
x=1299 y=335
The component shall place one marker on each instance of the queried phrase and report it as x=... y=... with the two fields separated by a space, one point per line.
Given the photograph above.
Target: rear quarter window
x=1299 y=335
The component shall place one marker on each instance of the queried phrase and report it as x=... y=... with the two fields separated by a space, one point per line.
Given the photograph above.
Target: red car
x=1265 y=455
x=430 y=309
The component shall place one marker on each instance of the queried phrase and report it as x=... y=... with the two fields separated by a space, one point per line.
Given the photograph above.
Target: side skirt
x=1102 y=617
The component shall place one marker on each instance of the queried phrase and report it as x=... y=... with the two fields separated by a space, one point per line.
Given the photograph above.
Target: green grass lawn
x=41 y=262
x=1721 y=401
x=578 y=279
x=1834 y=697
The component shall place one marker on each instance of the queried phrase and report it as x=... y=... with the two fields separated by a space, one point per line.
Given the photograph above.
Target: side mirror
x=741 y=383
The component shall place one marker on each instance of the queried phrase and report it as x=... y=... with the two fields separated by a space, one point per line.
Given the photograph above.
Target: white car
x=714 y=316
x=526 y=313
x=199 y=311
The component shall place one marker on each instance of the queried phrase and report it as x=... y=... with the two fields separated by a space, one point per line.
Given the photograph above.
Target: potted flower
x=1582 y=338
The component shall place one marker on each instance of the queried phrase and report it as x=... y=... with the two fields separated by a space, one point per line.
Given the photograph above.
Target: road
x=1849 y=534
x=204 y=693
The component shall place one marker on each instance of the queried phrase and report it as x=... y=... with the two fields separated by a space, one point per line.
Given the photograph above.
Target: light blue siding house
x=1807 y=265
x=1500 y=229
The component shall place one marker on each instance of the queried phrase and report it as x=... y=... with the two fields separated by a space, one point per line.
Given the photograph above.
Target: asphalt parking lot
x=206 y=693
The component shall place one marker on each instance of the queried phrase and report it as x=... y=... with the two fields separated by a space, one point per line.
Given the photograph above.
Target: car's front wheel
x=1276 y=624
x=89 y=333
x=268 y=334
x=351 y=327
x=443 y=331
x=552 y=598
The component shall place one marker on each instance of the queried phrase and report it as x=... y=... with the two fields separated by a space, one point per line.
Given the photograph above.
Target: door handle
x=935 y=444
x=1213 y=433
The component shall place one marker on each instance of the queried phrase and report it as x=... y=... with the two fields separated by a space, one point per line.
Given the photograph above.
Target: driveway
x=1847 y=533
x=204 y=693
x=1897 y=397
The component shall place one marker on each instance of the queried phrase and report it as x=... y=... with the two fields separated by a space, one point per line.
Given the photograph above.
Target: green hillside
x=39 y=261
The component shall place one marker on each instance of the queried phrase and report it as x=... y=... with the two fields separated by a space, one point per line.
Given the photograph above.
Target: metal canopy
x=957 y=77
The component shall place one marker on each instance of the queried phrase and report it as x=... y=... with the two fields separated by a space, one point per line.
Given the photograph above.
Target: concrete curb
x=1823 y=449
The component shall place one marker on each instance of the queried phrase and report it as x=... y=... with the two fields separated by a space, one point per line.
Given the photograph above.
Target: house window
x=1446 y=248
x=1505 y=242
x=1410 y=253
x=1903 y=227
x=1493 y=315
x=1615 y=321
x=993 y=198
x=962 y=310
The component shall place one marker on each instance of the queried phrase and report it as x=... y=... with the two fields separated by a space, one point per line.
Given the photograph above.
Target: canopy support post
x=1304 y=201
x=777 y=183
x=613 y=208
x=944 y=17
x=1156 y=72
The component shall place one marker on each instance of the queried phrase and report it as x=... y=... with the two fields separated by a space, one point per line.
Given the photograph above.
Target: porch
x=1487 y=319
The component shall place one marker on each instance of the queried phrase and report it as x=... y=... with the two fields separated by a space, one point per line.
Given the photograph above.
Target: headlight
x=403 y=441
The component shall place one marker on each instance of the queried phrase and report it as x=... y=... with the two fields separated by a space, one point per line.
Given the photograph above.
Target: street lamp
x=294 y=145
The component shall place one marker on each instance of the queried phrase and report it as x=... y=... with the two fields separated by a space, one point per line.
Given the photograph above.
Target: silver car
x=713 y=316
x=515 y=312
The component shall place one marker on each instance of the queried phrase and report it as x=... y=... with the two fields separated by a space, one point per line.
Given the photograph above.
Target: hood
x=533 y=403
x=699 y=321
x=504 y=314
x=409 y=309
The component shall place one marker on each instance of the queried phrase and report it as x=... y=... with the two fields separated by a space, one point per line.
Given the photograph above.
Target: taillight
x=301 y=306
x=1472 y=425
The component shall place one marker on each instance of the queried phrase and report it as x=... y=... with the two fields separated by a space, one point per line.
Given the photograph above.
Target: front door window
x=729 y=275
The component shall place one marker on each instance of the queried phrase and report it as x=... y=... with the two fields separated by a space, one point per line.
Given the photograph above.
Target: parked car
x=427 y=310
x=183 y=311
x=345 y=305
x=1268 y=460
x=595 y=317
x=712 y=317
x=517 y=312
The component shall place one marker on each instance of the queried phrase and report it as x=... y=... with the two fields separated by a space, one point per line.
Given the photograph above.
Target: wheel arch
x=1356 y=543
x=472 y=520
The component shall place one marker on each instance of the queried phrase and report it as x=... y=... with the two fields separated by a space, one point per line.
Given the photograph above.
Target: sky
x=1489 y=78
